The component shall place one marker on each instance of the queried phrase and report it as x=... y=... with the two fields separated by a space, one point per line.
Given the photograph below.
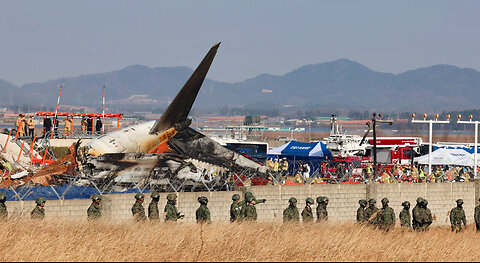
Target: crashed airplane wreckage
x=157 y=155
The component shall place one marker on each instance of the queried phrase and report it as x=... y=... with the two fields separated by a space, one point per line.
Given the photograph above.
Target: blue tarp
x=66 y=192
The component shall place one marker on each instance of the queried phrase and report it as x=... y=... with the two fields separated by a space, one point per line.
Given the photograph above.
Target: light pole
x=430 y=134
x=476 y=140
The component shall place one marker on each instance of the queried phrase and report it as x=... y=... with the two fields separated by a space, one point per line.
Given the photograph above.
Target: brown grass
x=27 y=240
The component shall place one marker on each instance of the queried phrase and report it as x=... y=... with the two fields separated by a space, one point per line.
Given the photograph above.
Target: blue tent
x=301 y=151
x=467 y=149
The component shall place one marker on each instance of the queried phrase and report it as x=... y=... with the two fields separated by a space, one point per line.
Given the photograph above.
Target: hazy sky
x=43 y=40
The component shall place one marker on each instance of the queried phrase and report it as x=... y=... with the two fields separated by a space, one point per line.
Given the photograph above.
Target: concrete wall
x=342 y=207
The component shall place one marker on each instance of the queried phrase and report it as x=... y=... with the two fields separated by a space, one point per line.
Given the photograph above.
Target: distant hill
x=338 y=84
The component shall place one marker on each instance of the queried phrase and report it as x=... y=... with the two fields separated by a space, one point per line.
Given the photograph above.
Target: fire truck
x=395 y=150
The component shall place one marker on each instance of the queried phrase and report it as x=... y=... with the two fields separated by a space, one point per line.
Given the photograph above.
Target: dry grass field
x=25 y=240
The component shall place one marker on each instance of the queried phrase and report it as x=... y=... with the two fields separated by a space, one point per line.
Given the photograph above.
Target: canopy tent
x=301 y=150
x=467 y=149
x=444 y=156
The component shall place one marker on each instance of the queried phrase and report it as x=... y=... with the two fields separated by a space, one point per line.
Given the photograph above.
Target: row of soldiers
x=419 y=220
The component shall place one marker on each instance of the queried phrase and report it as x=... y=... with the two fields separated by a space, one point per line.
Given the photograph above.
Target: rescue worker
x=291 y=214
x=285 y=167
x=39 y=211
x=203 y=213
x=371 y=212
x=405 y=218
x=3 y=207
x=153 y=212
x=235 y=208
x=307 y=213
x=47 y=125
x=171 y=212
x=20 y=123
x=84 y=124
x=361 y=211
x=250 y=212
x=138 y=211
x=68 y=123
x=94 y=211
x=322 y=213
x=477 y=217
x=98 y=125
x=386 y=216
x=457 y=217
x=31 y=126
x=416 y=214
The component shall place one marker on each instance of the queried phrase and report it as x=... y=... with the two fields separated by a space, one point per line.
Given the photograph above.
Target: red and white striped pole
x=103 y=114
x=56 y=109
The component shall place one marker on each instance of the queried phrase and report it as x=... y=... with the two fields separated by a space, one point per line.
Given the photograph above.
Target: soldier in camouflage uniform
x=424 y=216
x=477 y=217
x=138 y=210
x=3 y=207
x=291 y=214
x=322 y=213
x=371 y=212
x=307 y=213
x=457 y=217
x=235 y=208
x=243 y=204
x=203 y=214
x=416 y=214
x=39 y=211
x=405 y=218
x=94 y=211
x=171 y=213
x=153 y=212
x=250 y=212
x=361 y=210
x=386 y=216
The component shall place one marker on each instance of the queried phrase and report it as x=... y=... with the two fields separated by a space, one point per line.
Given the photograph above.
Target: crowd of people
x=26 y=126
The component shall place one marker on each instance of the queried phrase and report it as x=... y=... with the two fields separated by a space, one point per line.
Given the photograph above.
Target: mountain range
x=337 y=84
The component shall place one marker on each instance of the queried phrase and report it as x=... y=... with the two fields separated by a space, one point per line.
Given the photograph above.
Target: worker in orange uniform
x=21 y=125
x=69 y=123
x=31 y=126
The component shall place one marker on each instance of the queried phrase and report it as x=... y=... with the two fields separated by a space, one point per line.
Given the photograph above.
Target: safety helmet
x=139 y=196
x=202 y=199
x=292 y=200
x=310 y=201
x=96 y=197
x=405 y=204
x=362 y=202
x=372 y=201
x=155 y=195
x=460 y=201
x=236 y=197
x=40 y=200
x=385 y=201
x=171 y=197
x=3 y=197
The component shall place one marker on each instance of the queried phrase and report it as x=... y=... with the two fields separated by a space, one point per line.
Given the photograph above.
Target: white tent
x=447 y=157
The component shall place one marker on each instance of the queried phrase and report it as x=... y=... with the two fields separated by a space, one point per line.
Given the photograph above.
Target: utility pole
x=430 y=134
x=476 y=140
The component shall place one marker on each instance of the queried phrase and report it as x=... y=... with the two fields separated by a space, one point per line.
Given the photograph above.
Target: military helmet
x=202 y=199
x=96 y=197
x=3 y=197
x=460 y=201
x=292 y=200
x=419 y=200
x=372 y=201
x=319 y=199
x=139 y=196
x=362 y=202
x=249 y=199
x=385 y=201
x=236 y=197
x=155 y=195
x=171 y=197
x=40 y=200
x=325 y=199
x=405 y=204
x=310 y=201
x=248 y=194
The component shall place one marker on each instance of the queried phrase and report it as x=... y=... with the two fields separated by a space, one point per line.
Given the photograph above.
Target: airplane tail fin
x=180 y=107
